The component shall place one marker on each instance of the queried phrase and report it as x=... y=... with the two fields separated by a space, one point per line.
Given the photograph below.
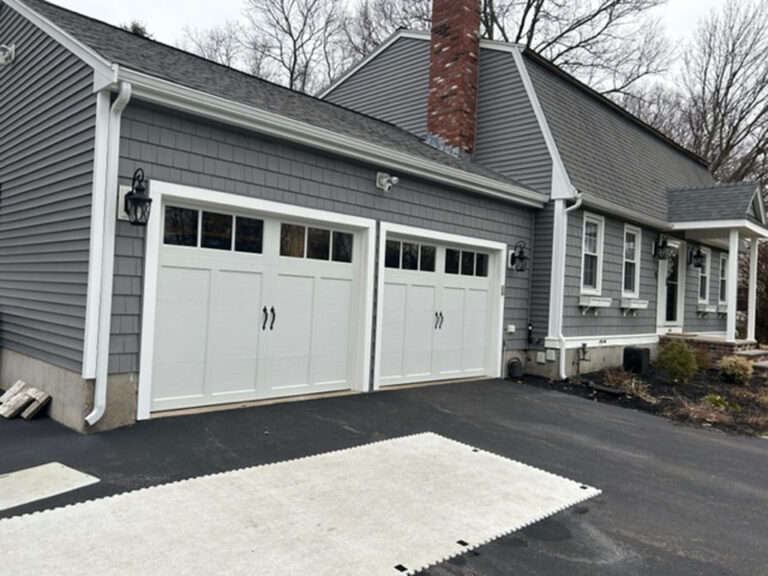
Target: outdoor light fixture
x=696 y=258
x=661 y=248
x=7 y=54
x=518 y=258
x=137 y=202
x=385 y=182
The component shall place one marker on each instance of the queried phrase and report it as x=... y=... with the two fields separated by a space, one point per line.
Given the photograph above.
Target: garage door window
x=217 y=231
x=342 y=247
x=410 y=256
x=318 y=244
x=180 y=226
x=292 y=240
x=466 y=262
x=249 y=235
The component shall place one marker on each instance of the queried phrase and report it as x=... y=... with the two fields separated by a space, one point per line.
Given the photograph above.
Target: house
x=294 y=246
x=637 y=241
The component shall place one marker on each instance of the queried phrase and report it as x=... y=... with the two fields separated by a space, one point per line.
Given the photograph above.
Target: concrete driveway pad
x=386 y=508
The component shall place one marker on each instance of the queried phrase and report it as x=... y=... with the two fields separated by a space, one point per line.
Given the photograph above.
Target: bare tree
x=137 y=27
x=725 y=91
x=297 y=38
x=222 y=44
x=610 y=44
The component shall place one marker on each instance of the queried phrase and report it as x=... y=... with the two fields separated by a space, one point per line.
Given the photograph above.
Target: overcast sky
x=166 y=19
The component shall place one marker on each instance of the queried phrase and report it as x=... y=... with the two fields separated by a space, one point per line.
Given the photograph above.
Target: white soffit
x=388 y=508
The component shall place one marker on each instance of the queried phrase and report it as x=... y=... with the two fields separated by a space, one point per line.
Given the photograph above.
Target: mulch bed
x=707 y=400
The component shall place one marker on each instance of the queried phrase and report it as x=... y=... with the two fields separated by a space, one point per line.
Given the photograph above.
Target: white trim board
x=410 y=502
x=572 y=342
x=161 y=191
x=499 y=251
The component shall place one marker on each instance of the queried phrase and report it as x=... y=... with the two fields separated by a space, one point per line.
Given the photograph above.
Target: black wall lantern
x=518 y=258
x=661 y=248
x=697 y=258
x=137 y=202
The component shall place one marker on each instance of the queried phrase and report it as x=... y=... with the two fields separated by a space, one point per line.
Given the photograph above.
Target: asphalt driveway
x=676 y=500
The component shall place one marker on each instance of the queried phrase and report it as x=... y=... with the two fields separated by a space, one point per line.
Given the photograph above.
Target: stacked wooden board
x=23 y=400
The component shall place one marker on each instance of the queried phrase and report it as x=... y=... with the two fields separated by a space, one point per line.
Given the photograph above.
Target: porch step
x=755 y=355
x=761 y=368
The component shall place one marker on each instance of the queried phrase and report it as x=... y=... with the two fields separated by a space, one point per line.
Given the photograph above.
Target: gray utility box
x=637 y=360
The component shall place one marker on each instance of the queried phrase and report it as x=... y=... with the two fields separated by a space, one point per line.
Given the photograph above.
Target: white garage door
x=252 y=307
x=438 y=311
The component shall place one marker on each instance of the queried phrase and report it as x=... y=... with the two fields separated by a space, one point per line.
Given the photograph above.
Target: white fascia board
x=742 y=225
x=561 y=184
x=195 y=102
x=104 y=72
x=572 y=342
x=397 y=35
x=625 y=213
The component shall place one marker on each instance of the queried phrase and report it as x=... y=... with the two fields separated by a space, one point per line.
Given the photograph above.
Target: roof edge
x=591 y=92
x=398 y=34
x=104 y=70
x=162 y=92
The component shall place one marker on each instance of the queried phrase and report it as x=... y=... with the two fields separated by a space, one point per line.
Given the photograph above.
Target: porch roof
x=722 y=202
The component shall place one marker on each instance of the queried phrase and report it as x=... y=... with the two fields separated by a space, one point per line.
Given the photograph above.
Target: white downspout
x=108 y=254
x=563 y=239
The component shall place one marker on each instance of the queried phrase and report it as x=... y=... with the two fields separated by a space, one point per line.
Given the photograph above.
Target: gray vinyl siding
x=187 y=151
x=541 y=272
x=392 y=87
x=509 y=138
x=47 y=120
x=610 y=321
x=712 y=322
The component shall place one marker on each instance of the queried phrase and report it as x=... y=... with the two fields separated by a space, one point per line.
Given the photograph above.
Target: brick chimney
x=452 y=104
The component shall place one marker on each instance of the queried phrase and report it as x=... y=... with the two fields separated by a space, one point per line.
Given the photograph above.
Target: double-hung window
x=631 y=275
x=592 y=254
x=723 y=278
x=704 y=276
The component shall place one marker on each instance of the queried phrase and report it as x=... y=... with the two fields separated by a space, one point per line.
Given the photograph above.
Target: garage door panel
x=475 y=334
x=419 y=330
x=236 y=319
x=449 y=340
x=290 y=342
x=181 y=332
x=331 y=332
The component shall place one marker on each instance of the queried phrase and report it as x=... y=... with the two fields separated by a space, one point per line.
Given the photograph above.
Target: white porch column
x=733 y=285
x=752 y=303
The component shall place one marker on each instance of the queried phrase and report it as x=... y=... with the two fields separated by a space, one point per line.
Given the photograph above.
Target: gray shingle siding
x=509 y=138
x=186 y=151
x=541 y=272
x=607 y=155
x=392 y=86
x=692 y=321
x=611 y=321
x=47 y=121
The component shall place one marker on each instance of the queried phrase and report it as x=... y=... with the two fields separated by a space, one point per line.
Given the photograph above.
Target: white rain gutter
x=563 y=240
x=108 y=253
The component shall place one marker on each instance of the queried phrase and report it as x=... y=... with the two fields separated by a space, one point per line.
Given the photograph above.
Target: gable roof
x=167 y=64
x=715 y=203
x=609 y=154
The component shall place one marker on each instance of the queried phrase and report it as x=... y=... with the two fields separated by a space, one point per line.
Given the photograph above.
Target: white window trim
x=160 y=192
x=600 y=221
x=723 y=275
x=708 y=267
x=635 y=293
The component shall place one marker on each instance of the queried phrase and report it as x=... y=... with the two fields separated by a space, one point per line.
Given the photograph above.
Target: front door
x=672 y=288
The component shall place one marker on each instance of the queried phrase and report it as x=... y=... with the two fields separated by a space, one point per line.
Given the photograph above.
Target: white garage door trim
x=498 y=263
x=160 y=192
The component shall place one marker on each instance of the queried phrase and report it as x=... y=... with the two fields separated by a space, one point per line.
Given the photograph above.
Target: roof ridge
x=224 y=66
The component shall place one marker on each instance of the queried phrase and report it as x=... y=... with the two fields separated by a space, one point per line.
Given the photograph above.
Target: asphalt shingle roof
x=608 y=154
x=174 y=65
x=720 y=202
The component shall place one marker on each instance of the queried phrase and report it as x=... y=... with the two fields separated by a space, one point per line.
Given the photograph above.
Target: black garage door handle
x=441 y=320
x=266 y=317
x=437 y=320
x=274 y=317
